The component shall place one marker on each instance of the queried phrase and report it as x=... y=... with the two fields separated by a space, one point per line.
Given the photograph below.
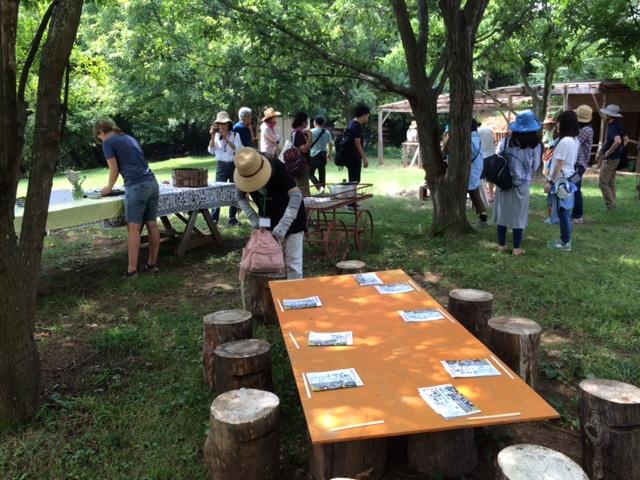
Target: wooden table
x=393 y=359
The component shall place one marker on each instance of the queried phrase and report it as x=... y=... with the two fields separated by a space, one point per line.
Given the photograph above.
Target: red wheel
x=336 y=241
x=363 y=230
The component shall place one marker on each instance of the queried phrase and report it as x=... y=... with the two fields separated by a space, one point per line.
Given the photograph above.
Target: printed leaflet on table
x=391 y=288
x=476 y=367
x=447 y=401
x=365 y=279
x=334 y=379
x=325 y=339
x=295 y=303
x=421 y=315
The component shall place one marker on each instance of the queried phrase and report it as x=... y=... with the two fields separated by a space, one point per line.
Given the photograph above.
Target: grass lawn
x=124 y=396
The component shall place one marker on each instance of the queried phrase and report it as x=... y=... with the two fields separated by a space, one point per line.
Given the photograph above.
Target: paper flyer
x=447 y=401
x=391 y=288
x=296 y=303
x=334 y=379
x=421 y=315
x=326 y=339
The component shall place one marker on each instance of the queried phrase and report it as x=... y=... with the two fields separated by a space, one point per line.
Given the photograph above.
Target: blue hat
x=526 y=122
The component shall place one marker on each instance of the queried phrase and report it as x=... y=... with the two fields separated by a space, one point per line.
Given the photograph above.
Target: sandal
x=151 y=268
x=502 y=248
x=518 y=251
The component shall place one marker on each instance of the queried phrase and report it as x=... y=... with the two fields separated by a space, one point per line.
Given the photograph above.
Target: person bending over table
x=279 y=201
x=125 y=157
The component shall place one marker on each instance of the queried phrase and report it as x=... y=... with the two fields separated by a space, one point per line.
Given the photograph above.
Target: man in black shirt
x=358 y=155
x=611 y=154
x=279 y=202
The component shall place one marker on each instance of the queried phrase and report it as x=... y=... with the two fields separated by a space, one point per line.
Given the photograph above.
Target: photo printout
x=447 y=401
x=421 y=315
x=365 y=279
x=334 y=379
x=296 y=303
x=326 y=339
x=391 y=288
x=476 y=367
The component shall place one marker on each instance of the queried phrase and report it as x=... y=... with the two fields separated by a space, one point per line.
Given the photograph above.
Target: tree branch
x=423 y=30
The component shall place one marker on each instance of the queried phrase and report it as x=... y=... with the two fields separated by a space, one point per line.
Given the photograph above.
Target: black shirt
x=614 y=130
x=273 y=198
x=355 y=131
x=298 y=139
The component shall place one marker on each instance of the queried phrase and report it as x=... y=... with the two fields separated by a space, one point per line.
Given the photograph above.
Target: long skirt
x=511 y=207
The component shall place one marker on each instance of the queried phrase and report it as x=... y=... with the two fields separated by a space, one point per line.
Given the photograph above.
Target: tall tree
x=437 y=39
x=20 y=256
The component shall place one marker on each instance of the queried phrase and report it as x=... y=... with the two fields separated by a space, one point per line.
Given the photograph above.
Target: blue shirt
x=245 y=134
x=476 y=162
x=615 y=129
x=321 y=143
x=131 y=162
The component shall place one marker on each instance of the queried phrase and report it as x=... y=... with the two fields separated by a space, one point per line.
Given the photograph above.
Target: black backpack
x=344 y=146
x=496 y=170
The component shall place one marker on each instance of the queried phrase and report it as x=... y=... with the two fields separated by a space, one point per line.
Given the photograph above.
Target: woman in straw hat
x=223 y=146
x=269 y=136
x=279 y=203
x=585 y=137
x=511 y=208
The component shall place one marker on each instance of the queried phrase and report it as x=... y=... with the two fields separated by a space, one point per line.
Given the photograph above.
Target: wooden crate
x=190 y=177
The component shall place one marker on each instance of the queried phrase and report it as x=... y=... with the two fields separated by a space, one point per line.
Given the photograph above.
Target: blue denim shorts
x=141 y=202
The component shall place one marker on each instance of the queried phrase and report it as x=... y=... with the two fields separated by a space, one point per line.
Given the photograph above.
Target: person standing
x=125 y=157
x=585 y=137
x=412 y=132
x=321 y=151
x=244 y=128
x=561 y=169
x=611 y=155
x=223 y=146
x=475 y=172
x=511 y=207
x=279 y=202
x=269 y=135
x=358 y=157
x=487 y=139
x=301 y=139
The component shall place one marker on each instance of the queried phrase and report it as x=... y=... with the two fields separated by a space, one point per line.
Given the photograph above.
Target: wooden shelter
x=596 y=94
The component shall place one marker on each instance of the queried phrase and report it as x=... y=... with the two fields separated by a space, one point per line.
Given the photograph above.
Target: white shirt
x=412 y=135
x=222 y=151
x=488 y=143
x=566 y=149
x=269 y=139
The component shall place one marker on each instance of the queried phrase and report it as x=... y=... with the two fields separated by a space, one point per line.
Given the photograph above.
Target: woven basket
x=190 y=177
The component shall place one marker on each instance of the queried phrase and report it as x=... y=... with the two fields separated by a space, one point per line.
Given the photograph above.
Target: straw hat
x=611 y=111
x=223 y=117
x=270 y=113
x=584 y=113
x=253 y=170
x=413 y=124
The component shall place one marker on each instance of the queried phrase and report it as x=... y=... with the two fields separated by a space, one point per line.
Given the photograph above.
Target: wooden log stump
x=244 y=441
x=452 y=453
x=609 y=414
x=516 y=341
x=218 y=328
x=366 y=459
x=534 y=462
x=243 y=364
x=350 y=266
x=473 y=309
x=260 y=303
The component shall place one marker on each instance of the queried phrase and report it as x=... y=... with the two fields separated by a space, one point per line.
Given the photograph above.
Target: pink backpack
x=262 y=254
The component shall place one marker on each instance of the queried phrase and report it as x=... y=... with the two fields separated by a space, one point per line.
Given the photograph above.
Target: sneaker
x=151 y=268
x=548 y=221
x=128 y=274
x=233 y=222
x=559 y=245
x=578 y=221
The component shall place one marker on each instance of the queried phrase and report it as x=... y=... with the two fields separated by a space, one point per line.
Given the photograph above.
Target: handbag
x=262 y=254
x=292 y=158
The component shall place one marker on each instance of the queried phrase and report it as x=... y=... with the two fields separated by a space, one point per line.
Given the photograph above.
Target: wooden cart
x=335 y=216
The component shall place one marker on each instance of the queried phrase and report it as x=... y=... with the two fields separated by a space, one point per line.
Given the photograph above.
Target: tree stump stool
x=452 y=453
x=609 y=414
x=244 y=441
x=533 y=462
x=473 y=309
x=218 y=328
x=350 y=266
x=355 y=459
x=243 y=364
x=516 y=341
x=260 y=302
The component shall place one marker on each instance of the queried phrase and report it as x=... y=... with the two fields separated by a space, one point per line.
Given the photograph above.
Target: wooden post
x=357 y=458
x=516 y=341
x=380 y=138
x=218 y=328
x=452 y=453
x=244 y=442
x=243 y=364
x=609 y=414
x=260 y=302
x=534 y=462
x=473 y=309
x=350 y=266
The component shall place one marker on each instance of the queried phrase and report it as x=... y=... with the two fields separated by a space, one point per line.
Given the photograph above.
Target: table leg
x=213 y=228
x=183 y=246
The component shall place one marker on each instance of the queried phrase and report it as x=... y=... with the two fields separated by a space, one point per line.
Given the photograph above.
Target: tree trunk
x=356 y=458
x=473 y=309
x=529 y=462
x=349 y=267
x=609 y=414
x=243 y=364
x=20 y=263
x=260 y=303
x=452 y=453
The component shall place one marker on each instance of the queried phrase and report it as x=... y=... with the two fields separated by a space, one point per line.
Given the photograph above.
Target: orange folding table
x=393 y=358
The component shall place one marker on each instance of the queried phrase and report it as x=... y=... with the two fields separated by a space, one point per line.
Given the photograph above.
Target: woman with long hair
x=511 y=207
x=559 y=184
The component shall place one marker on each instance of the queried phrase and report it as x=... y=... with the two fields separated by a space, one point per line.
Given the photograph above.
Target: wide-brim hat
x=526 y=122
x=253 y=170
x=611 y=111
x=270 y=113
x=223 y=117
x=584 y=113
x=413 y=124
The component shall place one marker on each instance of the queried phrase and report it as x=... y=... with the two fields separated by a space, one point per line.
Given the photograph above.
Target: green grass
x=138 y=408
